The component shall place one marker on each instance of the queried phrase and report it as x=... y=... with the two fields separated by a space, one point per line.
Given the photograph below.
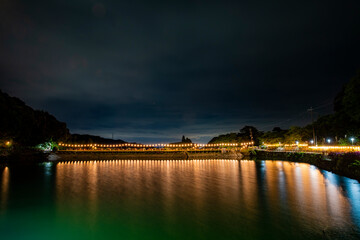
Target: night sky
x=151 y=71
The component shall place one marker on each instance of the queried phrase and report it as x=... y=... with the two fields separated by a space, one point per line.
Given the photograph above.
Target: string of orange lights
x=335 y=148
x=318 y=148
x=286 y=145
x=95 y=145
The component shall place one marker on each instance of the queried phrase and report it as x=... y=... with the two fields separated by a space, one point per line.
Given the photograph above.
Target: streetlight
x=312 y=141
x=329 y=140
x=352 y=140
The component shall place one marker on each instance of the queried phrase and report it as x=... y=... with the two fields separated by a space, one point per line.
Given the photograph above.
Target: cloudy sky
x=151 y=71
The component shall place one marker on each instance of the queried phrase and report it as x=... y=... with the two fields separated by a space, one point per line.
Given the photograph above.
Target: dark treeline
x=339 y=126
x=24 y=126
x=246 y=134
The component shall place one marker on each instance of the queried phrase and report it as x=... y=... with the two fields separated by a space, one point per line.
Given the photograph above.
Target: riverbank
x=344 y=164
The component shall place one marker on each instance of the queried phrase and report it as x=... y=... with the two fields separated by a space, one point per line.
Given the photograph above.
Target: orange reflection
x=306 y=194
x=243 y=190
x=4 y=189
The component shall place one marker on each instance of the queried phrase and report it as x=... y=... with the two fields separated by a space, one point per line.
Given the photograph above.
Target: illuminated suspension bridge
x=152 y=147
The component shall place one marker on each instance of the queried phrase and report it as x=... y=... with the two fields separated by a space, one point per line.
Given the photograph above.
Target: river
x=177 y=199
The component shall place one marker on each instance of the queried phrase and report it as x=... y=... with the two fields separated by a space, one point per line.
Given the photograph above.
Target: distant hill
x=86 y=139
x=26 y=126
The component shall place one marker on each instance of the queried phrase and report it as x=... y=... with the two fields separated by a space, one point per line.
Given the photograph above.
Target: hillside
x=23 y=125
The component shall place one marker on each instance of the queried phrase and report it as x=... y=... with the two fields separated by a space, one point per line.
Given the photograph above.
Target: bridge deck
x=140 y=151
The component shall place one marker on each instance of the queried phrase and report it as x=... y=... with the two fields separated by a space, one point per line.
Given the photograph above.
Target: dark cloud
x=153 y=71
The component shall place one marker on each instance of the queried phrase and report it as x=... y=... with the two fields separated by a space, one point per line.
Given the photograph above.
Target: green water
x=209 y=199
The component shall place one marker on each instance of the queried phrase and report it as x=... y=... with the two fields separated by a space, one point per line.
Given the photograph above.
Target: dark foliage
x=339 y=126
x=246 y=134
x=26 y=126
x=275 y=136
x=345 y=121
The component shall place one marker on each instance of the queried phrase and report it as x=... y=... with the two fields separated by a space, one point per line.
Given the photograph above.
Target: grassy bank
x=345 y=164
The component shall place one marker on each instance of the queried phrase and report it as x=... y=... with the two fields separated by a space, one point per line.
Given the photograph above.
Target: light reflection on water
x=4 y=189
x=208 y=199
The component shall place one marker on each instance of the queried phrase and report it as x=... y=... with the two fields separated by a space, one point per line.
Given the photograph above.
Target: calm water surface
x=207 y=199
